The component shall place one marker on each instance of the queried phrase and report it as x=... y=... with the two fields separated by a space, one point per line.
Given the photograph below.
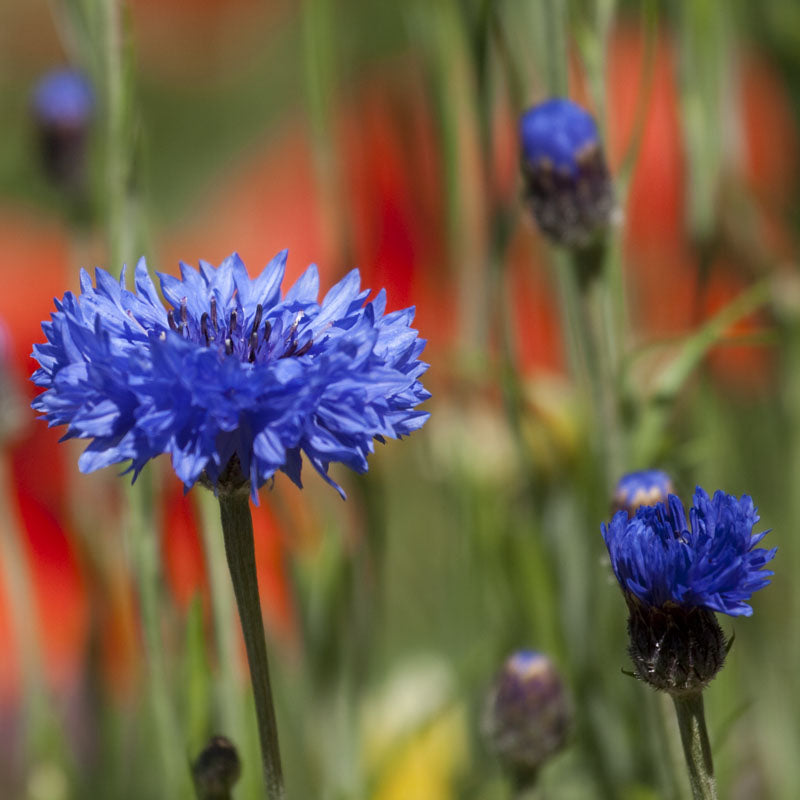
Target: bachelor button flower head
x=675 y=575
x=566 y=178
x=233 y=380
x=643 y=488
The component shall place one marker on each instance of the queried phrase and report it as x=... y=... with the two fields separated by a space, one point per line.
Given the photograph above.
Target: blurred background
x=383 y=135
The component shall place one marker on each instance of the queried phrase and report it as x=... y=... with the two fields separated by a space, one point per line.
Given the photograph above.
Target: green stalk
x=696 y=747
x=322 y=63
x=554 y=15
x=237 y=530
x=598 y=342
x=118 y=145
x=593 y=342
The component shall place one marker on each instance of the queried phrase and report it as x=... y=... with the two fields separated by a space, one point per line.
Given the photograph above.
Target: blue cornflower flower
x=63 y=97
x=643 y=488
x=235 y=380
x=715 y=564
x=674 y=576
x=567 y=183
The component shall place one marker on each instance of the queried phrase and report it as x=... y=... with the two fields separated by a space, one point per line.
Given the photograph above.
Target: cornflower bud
x=567 y=183
x=644 y=488
x=527 y=715
x=62 y=106
x=216 y=769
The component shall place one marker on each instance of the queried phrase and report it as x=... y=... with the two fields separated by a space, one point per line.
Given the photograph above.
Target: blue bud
x=567 y=183
x=643 y=488
x=62 y=105
x=64 y=98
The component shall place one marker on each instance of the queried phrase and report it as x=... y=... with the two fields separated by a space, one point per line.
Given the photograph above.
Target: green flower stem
x=591 y=344
x=321 y=61
x=237 y=530
x=696 y=748
x=596 y=329
x=117 y=145
x=554 y=17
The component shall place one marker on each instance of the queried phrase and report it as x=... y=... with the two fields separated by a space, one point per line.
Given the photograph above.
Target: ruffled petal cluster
x=713 y=563
x=232 y=370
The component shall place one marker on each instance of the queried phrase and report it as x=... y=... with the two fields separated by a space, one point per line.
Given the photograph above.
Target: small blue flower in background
x=63 y=97
x=643 y=488
x=235 y=380
x=567 y=183
x=714 y=564
x=528 y=715
x=62 y=104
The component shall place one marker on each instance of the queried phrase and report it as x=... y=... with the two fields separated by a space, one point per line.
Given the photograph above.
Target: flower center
x=253 y=343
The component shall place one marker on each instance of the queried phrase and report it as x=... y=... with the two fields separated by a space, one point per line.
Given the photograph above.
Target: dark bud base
x=572 y=208
x=674 y=649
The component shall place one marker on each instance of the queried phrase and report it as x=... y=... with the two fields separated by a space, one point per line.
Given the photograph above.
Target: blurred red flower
x=33 y=261
x=669 y=293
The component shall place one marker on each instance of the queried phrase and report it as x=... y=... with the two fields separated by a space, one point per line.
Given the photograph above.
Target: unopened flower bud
x=62 y=107
x=216 y=769
x=644 y=488
x=527 y=715
x=567 y=183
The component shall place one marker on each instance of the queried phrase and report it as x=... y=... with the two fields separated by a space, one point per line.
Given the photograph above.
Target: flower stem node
x=527 y=715
x=567 y=183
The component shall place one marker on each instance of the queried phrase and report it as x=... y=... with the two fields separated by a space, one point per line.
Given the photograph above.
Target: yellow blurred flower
x=415 y=735
x=428 y=765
